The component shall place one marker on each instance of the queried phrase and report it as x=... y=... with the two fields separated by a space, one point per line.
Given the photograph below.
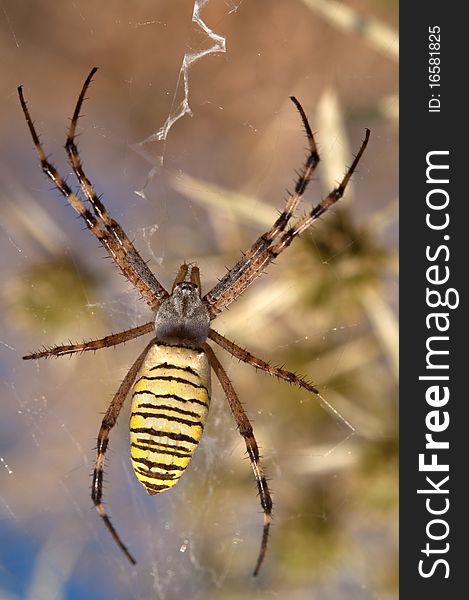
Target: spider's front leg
x=109 y=233
x=228 y=288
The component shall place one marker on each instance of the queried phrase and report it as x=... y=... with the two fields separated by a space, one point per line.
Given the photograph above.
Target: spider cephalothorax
x=184 y=316
x=170 y=380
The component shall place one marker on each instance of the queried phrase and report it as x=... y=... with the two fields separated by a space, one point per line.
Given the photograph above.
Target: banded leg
x=105 y=342
x=107 y=424
x=99 y=209
x=245 y=429
x=304 y=177
x=258 y=363
x=130 y=263
x=336 y=194
x=235 y=282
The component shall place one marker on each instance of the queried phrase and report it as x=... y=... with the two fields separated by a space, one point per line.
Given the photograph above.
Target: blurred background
x=327 y=308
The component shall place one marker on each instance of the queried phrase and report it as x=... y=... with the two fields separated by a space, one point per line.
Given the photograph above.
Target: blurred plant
x=49 y=295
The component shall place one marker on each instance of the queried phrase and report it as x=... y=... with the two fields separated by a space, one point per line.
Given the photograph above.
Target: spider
x=170 y=380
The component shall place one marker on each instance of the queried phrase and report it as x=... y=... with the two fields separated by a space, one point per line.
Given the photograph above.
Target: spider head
x=183 y=316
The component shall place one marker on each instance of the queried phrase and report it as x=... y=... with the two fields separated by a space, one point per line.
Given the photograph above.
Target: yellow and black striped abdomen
x=170 y=402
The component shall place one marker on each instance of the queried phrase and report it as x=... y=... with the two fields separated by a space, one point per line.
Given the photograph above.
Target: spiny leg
x=232 y=286
x=304 y=177
x=258 y=363
x=105 y=342
x=245 y=429
x=107 y=424
x=336 y=194
x=140 y=276
x=99 y=209
x=52 y=173
x=75 y=160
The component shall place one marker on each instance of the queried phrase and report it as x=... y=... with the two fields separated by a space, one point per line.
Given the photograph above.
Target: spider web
x=201 y=538
x=180 y=107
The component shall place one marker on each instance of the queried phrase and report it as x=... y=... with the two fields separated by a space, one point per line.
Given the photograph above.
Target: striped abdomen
x=170 y=402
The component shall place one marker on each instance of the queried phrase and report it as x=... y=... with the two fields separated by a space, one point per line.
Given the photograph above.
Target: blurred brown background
x=327 y=308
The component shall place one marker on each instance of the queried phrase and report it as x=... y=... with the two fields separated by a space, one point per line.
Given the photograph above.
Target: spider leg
x=107 y=424
x=99 y=209
x=105 y=342
x=336 y=194
x=304 y=177
x=245 y=429
x=265 y=240
x=244 y=272
x=132 y=266
x=258 y=363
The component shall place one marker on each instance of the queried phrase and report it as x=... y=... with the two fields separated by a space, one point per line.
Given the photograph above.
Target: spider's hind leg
x=109 y=420
x=245 y=429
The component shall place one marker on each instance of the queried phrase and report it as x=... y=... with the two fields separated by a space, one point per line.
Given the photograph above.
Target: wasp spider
x=170 y=380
